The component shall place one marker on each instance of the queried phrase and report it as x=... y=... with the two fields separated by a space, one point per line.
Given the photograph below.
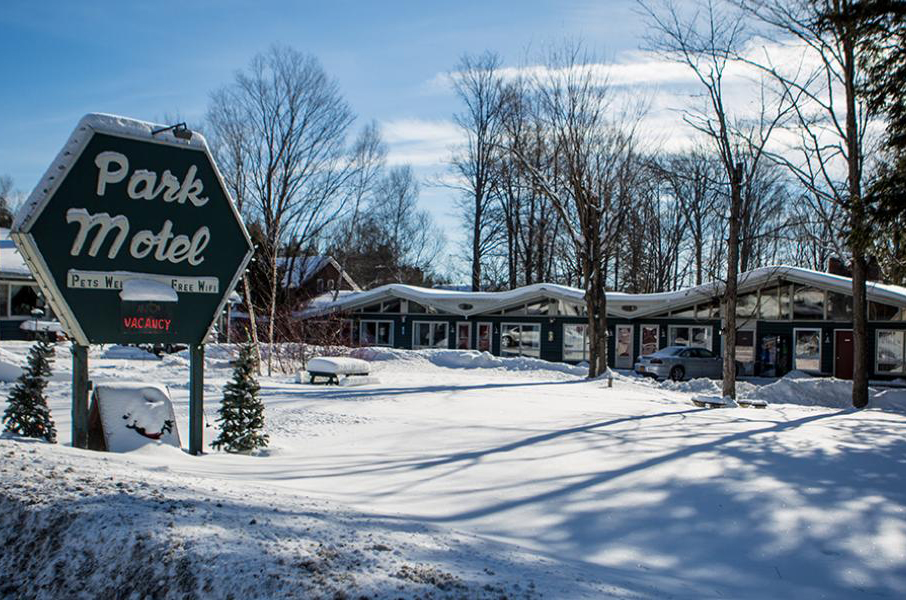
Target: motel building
x=788 y=318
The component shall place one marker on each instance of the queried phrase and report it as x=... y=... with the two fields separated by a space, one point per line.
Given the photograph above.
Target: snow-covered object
x=147 y=290
x=9 y=372
x=713 y=401
x=47 y=325
x=134 y=415
x=338 y=365
x=128 y=353
x=11 y=261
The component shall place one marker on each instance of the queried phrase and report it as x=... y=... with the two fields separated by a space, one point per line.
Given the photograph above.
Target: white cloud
x=420 y=142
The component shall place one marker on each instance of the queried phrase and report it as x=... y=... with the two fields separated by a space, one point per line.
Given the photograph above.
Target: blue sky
x=149 y=60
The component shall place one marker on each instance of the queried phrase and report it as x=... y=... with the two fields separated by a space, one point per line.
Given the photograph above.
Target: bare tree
x=293 y=123
x=7 y=201
x=831 y=124
x=589 y=177
x=479 y=86
x=707 y=41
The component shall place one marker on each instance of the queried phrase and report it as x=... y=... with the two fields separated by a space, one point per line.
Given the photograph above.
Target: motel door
x=484 y=337
x=463 y=336
x=843 y=353
x=624 y=347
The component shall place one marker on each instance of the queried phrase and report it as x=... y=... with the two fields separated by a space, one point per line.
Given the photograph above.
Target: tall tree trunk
x=858 y=233
x=476 y=244
x=730 y=292
x=272 y=313
x=253 y=327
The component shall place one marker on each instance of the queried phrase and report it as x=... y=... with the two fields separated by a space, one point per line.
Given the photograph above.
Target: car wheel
x=677 y=373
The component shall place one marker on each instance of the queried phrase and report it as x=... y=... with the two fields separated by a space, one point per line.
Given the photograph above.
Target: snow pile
x=9 y=372
x=135 y=415
x=128 y=353
x=467 y=359
x=803 y=389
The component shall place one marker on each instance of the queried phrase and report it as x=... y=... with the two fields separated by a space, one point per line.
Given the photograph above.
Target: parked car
x=681 y=362
x=519 y=336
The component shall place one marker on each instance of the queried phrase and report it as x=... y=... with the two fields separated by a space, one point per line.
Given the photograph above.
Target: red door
x=843 y=354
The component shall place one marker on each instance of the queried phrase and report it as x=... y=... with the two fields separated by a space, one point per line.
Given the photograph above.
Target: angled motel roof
x=618 y=303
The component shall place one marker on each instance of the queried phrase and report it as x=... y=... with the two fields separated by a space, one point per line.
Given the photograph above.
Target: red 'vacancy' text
x=146 y=323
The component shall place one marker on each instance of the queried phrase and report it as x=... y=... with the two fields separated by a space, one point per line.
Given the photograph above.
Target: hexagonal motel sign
x=132 y=235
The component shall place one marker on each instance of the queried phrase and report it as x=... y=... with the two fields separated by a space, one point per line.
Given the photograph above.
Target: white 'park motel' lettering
x=163 y=245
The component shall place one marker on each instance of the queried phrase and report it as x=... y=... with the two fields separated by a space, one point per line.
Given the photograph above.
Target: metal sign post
x=133 y=238
x=196 y=398
x=80 y=389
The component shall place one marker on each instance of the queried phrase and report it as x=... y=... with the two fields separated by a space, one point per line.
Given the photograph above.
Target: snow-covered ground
x=462 y=475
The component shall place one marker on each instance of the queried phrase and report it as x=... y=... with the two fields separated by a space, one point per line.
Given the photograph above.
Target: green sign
x=132 y=235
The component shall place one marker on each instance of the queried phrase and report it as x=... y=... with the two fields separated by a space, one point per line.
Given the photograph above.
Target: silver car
x=681 y=362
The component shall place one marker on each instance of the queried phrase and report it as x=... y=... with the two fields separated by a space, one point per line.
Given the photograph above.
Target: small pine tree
x=241 y=410
x=27 y=413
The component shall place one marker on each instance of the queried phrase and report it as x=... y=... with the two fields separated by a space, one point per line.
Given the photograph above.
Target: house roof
x=300 y=270
x=12 y=265
x=618 y=303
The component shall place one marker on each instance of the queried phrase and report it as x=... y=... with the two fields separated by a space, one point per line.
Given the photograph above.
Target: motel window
x=572 y=309
x=575 y=342
x=543 y=307
x=4 y=300
x=391 y=306
x=808 y=303
x=349 y=333
x=376 y=333
x=22 y=300
x=373 y=308
x=331 y=284
x=769 y=305
x=885 y=312
x=839 y=307
x=890 y=353
x=747 y=305
x=710 y=310
x=807 y=350
x=685 y=313
x=681 y=335
x=320 y=285
x=427 y=334
x=784 y=301
x=522 y=339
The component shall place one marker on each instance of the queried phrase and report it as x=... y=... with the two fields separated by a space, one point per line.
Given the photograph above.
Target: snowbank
x=128 y=353
x=804 y=390
x=467 y=359
x=9 y=372
x=83 y=526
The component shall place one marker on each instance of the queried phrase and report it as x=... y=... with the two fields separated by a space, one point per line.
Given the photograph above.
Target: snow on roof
x=11 y=262
x=619 y=303
x=300 y=270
